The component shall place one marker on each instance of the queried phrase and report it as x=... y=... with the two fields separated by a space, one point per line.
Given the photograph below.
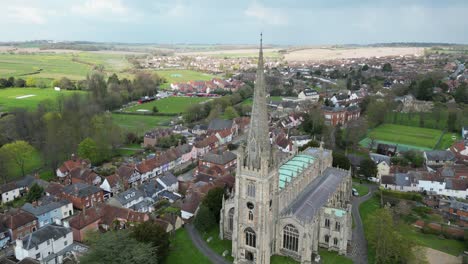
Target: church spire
x=258 y=141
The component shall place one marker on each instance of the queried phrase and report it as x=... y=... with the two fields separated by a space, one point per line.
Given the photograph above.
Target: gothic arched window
x=337 y=226
x=327 y=238
x=231 y=219
x=250 y=238
x=291 y=238
x=335 y=241
x=251 y=190
x=327 y=222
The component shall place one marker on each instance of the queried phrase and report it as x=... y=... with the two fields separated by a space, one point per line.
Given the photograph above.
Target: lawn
x=362 y=189
x=183 y=251
x=32 y=164
x=413 y=119
x=175 y=76
x=169 y=105
x=56 y=65
x=450 y=246
x=424 y=138
x=218 y=245
x=28 y=98
x=331 y=257
x=140 y=124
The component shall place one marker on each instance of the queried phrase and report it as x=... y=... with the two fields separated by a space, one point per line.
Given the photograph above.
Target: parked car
x=355 y=192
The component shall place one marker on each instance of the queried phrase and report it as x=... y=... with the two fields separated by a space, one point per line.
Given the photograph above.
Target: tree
x=213 y=201
x=20 y=82
x=117 y=247
x=98 y=86
x=365 y=67
x=415 y=157
x=204 y=220
x=340 y=160
x=88 y=149
x=151 y=232
x=18 y=153
x=387 y=67
x=230 y=113
x=452 y=121
x=30 y=82
x=155 y=109
x=35 y=192
x=461 y=93
x=367 y=168
x=314 y=121
x=424 y=90
x=389 y=245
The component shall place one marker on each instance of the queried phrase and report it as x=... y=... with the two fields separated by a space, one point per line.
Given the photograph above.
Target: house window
x=231 y=219
x=327 y=222
x=290 y=238
x=250 y=237
x=337 y=226
x=335 y=241
x=251 y=190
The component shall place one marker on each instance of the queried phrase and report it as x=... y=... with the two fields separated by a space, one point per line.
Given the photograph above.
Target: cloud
x=100 y=7
x=266 y=15
x=25 y=15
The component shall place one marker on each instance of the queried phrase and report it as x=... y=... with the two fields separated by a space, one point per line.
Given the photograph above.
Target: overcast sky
x=236 y=21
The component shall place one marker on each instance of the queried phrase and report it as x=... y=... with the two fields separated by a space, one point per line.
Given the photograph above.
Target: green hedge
x=412 y=196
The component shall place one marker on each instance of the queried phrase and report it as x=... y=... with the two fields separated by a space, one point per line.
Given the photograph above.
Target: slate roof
x=440 y=155
x=168 y=179
x=403 y=179
x=220 y=124
x=43 y=234
x=81 y=189
x=388 y=179
x=219 y=158
x=378 y=158
x=129 y=196
x=169 y=195
x=45 y=207
x=315 y=195
x=8 y=187
x=151 y=188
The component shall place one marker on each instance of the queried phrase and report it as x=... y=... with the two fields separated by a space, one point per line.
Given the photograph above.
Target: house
x=85 y=175
x=460 y=150
x=190 y=205
x=49 y=244
x=152 y=189
x=4 y=236
x=301 y=140
x=309 y=94
x=48 y=210
x=405 y=182
x=169 y=182
x=111 y=185
x=206 y=145
x=129 y=174
x=383 y=164
x=28 y=181
x=170 y=222
x=224 y=136
x=220 y=124
x=387 y=150
x=134 y=199
x=217 y=163
x=199 y=130
x=459 y=210
x=151 y=138
x=54 y=189
x=339 y=115
x=187 y=153
x=10 y=191
x=64 y=170
x=438 y=157
x=83 y=195
x=170 y=196
x=19 y=223
x=118 y=218
x=85 y=221
x=464 y=132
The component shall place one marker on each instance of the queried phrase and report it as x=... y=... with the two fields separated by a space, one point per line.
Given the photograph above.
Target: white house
x=48 y=244
x=169 y=182
x=309 y=94
x=383 y=164
x=404 y=182
x=10 y=191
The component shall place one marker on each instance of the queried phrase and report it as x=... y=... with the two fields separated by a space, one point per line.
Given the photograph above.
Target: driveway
x=359 y=243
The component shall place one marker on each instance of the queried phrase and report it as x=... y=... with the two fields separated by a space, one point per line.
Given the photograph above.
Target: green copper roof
x=338 y=212
x=293 y=167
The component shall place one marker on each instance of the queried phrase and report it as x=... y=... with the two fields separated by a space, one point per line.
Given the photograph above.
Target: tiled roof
x=16 y=218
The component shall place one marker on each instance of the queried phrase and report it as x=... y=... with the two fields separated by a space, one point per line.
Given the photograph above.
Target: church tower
x=256 y=185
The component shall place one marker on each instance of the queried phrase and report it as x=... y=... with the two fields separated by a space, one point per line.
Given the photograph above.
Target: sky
x=283 y=22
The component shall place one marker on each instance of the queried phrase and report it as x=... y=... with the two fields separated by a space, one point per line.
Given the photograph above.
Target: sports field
x=407 y=137
x=173 y=76
x=139 y=124
x=28 y=98
x=57 y=65
x=170 y=105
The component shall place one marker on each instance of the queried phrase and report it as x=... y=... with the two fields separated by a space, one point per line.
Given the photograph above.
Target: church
x=284 y=206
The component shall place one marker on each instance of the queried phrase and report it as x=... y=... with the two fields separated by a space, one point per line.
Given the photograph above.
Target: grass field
x=183 y=251
x=140 y=124
x=410 y=137
x=170 y=105
x=56 y=65
x=174 y=76
x=413 y=119
x=362 y=189
x=218 y=245
x=28 y=98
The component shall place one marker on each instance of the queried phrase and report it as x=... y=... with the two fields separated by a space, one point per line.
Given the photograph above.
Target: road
x=359 y=243
x=203 y=247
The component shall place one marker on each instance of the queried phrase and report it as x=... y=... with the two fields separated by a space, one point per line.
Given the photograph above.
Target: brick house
x=151 y=138
x=85 y=175
x=340 y=115
x=19 y=223
x=63 y=172
x=87 y=220
x=217 y=163
x=83 y=195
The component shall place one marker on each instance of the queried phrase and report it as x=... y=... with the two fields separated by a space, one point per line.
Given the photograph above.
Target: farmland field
x=139 y=124
x=173 y=76
x=422 y=138
x=28 y=98
x=56 y=65
x=170 y=105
